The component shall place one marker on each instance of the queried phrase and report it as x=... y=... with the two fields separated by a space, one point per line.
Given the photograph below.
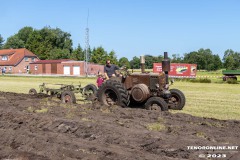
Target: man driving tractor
x=110 y=69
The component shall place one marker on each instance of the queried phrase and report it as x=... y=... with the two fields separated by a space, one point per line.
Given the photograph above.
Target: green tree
x=149 y=61
x=124 y=62
x=194 y=57
x=158 y=59
x=229 y=63
x=190 y=57
x=204 y=59
x=78 y=53
x=62 y=39
x=24 y=33
x=176 y=58
x=207 y=58
x=14 y=42
x=231 y=57
x=112 y=57
x=39 y=45
x=41 y=42
x=237 y=60
x=1 y=41
x=217 y=62
x=99 y=56
x=19 y=40
x=58 y=53
x=227 y=53
x=135 y=63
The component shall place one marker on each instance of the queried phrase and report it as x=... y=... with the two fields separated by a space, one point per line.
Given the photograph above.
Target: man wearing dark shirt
x=109 y=69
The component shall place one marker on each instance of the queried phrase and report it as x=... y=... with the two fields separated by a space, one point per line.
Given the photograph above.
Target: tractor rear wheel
x=113 y=93
x=177 y=100
x=68 y=97
x=156 y=103
x=32 y=91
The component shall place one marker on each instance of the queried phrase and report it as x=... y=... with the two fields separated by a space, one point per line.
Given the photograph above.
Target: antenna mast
x=87 y=47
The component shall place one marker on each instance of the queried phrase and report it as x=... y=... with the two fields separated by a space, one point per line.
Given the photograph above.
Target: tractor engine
x=144 y=85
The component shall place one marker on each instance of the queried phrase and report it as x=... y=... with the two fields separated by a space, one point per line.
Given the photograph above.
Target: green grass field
x=23 y=84
x=221 y=101
x=215 y=100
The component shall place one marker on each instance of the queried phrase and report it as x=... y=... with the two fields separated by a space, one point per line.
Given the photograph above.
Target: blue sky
x=133 y=27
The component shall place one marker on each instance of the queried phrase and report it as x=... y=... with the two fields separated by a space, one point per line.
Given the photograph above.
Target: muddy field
x=41 y=128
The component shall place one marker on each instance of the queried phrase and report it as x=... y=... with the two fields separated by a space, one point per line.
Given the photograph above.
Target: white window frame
x=4 y=58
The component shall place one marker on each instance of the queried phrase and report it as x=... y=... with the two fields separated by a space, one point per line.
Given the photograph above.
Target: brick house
x=64 y=67
x=16 y=60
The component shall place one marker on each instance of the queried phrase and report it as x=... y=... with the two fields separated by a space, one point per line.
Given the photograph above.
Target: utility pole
x=87 y=47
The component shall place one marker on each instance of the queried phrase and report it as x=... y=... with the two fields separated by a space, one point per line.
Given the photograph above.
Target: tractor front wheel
x=156 y=103
x=177 y=100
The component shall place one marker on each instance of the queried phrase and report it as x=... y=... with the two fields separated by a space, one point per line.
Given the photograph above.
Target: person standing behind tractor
x=109 y=69
x=100 y=80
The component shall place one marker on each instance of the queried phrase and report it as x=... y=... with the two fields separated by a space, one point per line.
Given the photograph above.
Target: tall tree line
x=53 y=43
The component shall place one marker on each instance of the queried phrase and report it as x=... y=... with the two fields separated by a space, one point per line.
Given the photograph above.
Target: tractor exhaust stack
x=166 y=65
x=142 y=64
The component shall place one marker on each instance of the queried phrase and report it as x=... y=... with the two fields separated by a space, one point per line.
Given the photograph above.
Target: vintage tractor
x=150 y=90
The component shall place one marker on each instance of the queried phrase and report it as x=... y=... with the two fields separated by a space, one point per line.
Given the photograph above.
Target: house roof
x=50 y=61
x=16 y=56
